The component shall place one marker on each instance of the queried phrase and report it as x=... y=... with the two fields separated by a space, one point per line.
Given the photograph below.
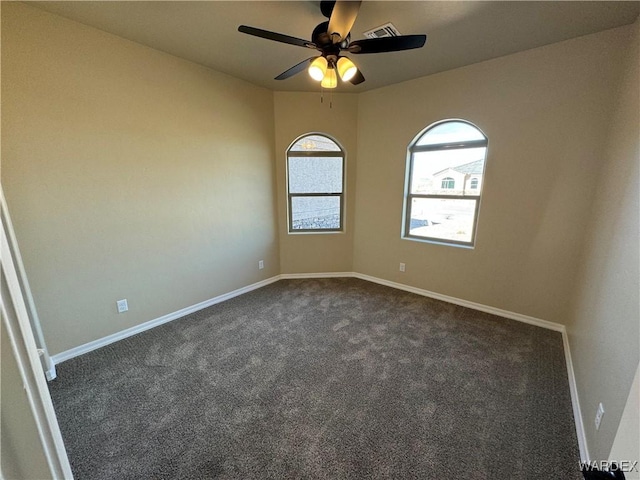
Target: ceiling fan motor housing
x=320 y=36
x=324 y=43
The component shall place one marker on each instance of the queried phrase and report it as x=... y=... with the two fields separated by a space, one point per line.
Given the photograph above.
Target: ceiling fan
x=331 y=38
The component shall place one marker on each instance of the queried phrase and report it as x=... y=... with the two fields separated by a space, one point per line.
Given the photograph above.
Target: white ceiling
x=459 y=33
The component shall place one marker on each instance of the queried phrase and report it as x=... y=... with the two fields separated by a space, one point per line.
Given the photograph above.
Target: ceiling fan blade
x=277 y=37
x=326 y=7
x=342 y=19
x=294 y=70
x=358 y=78
x=387 y=44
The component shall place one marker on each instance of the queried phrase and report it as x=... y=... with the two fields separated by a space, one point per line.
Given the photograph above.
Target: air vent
x=386 y=30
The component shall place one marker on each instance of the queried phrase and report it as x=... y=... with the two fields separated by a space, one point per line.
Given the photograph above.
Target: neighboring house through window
x=315 y=184
x=445 y=171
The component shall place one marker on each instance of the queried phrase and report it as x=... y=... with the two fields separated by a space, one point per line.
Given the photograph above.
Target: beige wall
x=129 y=173
x=295 y=115
x=604 y=325
x=545 y=112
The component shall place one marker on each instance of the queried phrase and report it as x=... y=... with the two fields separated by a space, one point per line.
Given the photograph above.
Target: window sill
x=316 y=232
x=439 y=242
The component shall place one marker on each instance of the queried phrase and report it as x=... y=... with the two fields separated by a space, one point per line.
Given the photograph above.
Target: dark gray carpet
x=335 y=378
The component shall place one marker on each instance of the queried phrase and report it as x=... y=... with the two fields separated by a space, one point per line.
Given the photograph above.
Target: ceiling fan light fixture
x=332 y=37
x=346 y=69
x=330 y=79
x=318 y=68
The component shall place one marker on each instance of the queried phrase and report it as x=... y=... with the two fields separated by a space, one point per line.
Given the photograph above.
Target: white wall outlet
x=599 y=414
x=123 y=306
x=260 y=264
x=402 y=267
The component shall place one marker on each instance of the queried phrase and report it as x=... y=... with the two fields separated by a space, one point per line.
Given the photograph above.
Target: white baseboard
x=51 y=373
x=582 y=442
x=575 y=401
x=293 y=276
x=102 y=342
x=438 y=296
x=465 y=303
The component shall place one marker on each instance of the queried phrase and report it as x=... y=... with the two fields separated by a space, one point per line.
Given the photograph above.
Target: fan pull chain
x=330 y=97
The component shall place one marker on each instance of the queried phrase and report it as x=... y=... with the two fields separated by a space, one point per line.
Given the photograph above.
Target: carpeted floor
x=323 y=379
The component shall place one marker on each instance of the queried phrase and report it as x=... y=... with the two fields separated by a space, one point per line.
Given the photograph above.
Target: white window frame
x=408 y=196
x=315 y=154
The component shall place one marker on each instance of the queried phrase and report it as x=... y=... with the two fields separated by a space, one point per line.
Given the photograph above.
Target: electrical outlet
x=260 y=264
x=402 y=267
x=599 y=414
x=122 y=305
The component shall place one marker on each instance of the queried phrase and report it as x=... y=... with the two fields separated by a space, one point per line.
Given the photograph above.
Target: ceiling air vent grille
x=386 y=30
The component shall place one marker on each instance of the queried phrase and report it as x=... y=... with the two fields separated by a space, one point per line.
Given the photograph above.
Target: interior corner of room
x=131 y=173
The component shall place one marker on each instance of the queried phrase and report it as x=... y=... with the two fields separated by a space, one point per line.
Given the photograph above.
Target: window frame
x=315 y=154
x=408 y=196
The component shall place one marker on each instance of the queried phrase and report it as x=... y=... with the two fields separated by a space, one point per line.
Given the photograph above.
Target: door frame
x=15 y=319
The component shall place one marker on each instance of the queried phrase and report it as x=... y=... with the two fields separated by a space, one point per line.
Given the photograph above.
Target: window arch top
x=315 y=143
x=451 y=132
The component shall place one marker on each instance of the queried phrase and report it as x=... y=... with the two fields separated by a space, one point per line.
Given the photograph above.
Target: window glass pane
x=315 y=143
x=315 y=175
x=315 y=213
x=448 y=172
x=444 y=219
x=450 y=132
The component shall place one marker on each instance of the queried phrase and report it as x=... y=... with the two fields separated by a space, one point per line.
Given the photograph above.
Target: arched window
x=315 y=184
x=435 y=211
x=448 y=182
